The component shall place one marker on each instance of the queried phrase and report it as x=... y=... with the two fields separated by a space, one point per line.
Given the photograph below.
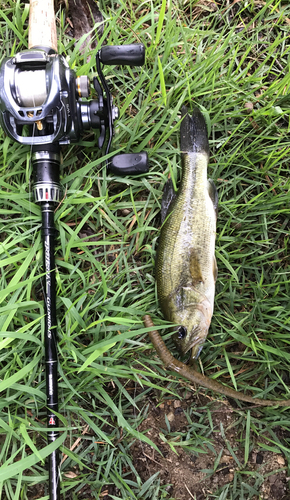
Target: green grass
x=216 y=58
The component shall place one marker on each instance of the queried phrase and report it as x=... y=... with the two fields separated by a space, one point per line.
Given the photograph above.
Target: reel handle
x=42 y=26
x=130 y=55
x=129 y=164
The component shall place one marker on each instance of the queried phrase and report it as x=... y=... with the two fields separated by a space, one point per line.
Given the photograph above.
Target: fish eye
x=181 y=332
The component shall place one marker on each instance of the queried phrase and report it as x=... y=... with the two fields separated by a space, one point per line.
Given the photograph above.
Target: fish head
x=193 y=328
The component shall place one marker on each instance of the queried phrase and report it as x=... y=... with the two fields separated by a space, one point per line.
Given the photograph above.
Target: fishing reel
x=42 y=102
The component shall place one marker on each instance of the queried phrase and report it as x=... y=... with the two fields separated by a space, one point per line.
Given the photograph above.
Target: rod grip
x=42 y=27
x=130 y=54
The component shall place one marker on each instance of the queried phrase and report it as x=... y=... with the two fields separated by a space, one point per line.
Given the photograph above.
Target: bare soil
x=200 y=475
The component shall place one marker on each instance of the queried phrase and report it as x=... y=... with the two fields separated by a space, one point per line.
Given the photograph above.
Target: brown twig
x=75 y=443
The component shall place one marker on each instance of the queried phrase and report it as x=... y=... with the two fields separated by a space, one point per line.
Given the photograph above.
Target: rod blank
x=46 y=166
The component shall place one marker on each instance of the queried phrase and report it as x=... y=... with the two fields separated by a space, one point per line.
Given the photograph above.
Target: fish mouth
x=192 y=351
x=195 y=345
x=196 y=350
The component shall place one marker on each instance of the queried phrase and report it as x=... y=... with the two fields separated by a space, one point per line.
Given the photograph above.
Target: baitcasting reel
x=43 y=102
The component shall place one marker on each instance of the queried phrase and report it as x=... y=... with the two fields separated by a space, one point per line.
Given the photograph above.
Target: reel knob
x=124 y=55
x=129 y=164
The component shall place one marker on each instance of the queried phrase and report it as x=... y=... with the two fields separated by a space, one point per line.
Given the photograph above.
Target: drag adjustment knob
x=82 y=86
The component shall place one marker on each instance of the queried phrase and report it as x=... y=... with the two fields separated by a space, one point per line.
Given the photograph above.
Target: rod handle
x=42 y=26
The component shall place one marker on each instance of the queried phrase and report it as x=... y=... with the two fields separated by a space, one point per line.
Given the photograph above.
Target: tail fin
x=193 y=132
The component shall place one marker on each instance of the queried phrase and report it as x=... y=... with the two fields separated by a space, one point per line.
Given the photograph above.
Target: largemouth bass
x=186 y=268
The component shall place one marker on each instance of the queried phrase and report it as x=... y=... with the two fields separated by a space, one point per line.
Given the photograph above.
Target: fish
x=197 y=378
x=186 y=268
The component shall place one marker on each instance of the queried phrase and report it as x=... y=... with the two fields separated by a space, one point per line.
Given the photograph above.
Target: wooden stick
x=42 y=27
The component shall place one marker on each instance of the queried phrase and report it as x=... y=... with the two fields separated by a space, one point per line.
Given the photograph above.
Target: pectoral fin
x=215 y=269
x=212 y=191
x=168 y=197
x=194 y=268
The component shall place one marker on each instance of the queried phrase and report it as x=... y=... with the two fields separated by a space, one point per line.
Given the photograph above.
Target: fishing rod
x=44 y=105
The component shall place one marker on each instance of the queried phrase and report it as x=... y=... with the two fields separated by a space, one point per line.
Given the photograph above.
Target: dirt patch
x=216 y=458
x=84 y=15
